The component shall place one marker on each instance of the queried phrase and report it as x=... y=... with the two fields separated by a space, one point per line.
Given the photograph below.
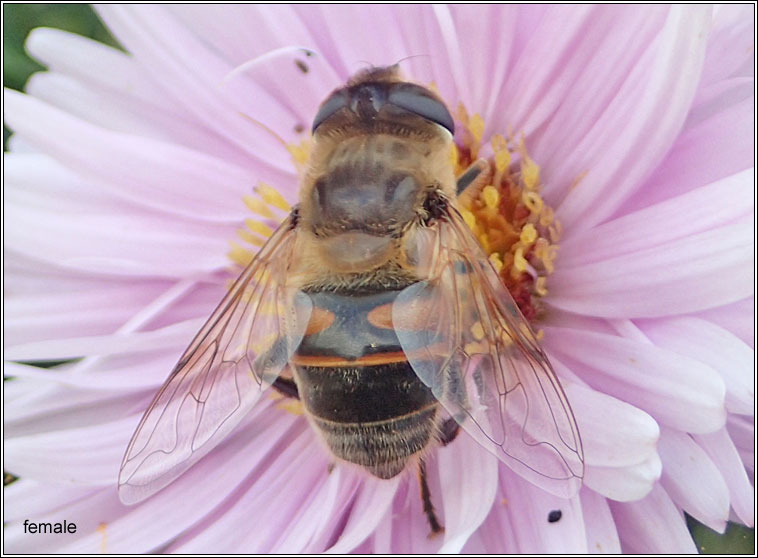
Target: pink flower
x=125 y=183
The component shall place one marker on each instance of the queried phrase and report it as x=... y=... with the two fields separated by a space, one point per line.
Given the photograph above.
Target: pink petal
x=290 y=476
x=155 y=245
x=409 y=530
x=625 y=484
x=44 y=302
x=602 y=535
x=497 y=535
x=639 y=124
x=694 y=273
x=63 y=348
x=652 y=526
x=89 y=514
x=693 y=481
x=372 y=502
x=30 y=498
x=479 y=27
x=127 y=373
x=742 y=432
x=404 y=528
x=316 y=516
x=543 y=70
x=277 y=71
x=694 y=212
x=610 y=47
x=736 y=318
x=710 y=147
x=528 y=508
x=677 y=391
x=469 y=478
x=722 y=452
x=95 y=65
x=714 y=346
x=88 y=456
x=34 y=405
x=193 y=75
x=204 y=487
x=227 y=28
x=113 y=111
x=629 y=439
x=620 y=455
x=350 y=48
x=136 y=168
x=730 y=45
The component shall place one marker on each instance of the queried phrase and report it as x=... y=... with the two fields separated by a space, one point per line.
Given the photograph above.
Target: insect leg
x=427 y=501
x=449 y=431
x=474 y=178
x=286 y=386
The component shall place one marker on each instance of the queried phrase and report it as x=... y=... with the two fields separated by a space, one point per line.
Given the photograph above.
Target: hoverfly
x=374 y=304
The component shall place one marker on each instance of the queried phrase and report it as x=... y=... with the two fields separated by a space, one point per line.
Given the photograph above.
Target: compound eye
x=331 y=105
x=417 y=100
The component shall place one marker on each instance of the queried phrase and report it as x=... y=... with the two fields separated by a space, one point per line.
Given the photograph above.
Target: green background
x=19 y=19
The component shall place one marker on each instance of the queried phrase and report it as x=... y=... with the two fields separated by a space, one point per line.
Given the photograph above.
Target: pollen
x=102 y=530
x=292 y=406
x=510 y=218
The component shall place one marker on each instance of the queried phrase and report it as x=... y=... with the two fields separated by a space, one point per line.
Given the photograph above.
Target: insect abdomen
x=357 y=386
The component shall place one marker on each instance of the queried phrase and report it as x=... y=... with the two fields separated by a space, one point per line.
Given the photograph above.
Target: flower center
x=512 y=222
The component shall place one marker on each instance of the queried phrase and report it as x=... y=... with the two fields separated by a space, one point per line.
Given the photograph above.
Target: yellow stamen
x=528 y=234
x=256 y=205
x=539 y=286
x=250 y=238
x=469 y=218
x=453 y=155
x=530 y=171
x=497 y=262
x=272 y=197
x=499 y=143
x=502 y=160
x=299 y=153
x=519 y=261
x=508 y=216
x=547 y=216
x=491 y=197
x=476 y=127
x=239 y=255
x=258 y=227
x=533 y=201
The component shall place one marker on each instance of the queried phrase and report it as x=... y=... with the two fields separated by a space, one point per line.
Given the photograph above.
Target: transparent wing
x=238 y=353
x=467 y=340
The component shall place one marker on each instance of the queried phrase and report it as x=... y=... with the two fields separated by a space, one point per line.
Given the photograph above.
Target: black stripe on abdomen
x=363 y=393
